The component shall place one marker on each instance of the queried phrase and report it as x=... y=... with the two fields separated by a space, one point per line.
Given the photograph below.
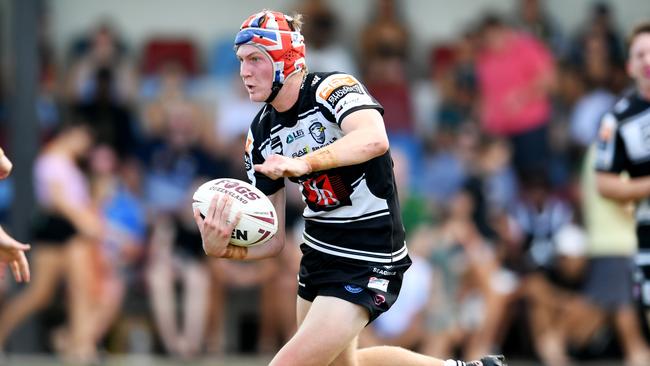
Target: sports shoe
x=491 y=360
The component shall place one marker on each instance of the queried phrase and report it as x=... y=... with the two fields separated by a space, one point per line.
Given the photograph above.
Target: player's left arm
x=364 y=139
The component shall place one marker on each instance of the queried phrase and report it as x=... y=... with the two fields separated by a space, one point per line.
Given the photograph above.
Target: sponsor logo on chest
x=295 y=135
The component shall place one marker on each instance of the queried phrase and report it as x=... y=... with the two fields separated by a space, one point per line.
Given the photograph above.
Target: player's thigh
x=302 y=308
x=329 y=328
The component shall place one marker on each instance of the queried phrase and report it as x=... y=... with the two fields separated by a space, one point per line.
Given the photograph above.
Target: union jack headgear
x=271 y=32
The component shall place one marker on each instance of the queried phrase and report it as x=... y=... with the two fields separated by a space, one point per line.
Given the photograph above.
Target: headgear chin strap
x=275 y=89
x=271 y=32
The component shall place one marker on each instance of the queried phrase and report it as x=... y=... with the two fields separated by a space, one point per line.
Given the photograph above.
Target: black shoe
x=491 y=360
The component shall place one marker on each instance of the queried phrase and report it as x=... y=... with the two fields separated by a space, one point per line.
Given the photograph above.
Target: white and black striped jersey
x=624 y=145
x=350 y=211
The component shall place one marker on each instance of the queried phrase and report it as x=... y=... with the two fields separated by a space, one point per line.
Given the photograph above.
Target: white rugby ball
x=258 y=222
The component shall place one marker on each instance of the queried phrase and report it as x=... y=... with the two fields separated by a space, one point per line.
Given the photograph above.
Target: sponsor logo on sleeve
x=338 y=87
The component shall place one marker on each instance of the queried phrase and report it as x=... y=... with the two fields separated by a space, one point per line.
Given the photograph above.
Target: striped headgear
x=272 y=33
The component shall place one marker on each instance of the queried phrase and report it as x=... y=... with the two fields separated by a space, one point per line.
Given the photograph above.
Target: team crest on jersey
x=317 y=131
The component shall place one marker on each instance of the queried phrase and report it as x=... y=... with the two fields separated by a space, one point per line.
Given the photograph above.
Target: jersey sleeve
x=610 y=152
x=255 y=152
x=342 y=94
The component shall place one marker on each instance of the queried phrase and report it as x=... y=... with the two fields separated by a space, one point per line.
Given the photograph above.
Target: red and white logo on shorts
x=379 y=299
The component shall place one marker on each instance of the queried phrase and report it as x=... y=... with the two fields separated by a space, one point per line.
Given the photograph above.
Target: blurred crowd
x=492 y=151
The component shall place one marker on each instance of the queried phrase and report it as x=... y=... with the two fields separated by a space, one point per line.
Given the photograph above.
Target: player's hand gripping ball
x=258 y=222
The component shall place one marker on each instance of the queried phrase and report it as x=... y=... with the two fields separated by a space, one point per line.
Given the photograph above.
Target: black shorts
x=374 y=286
x=52 y=229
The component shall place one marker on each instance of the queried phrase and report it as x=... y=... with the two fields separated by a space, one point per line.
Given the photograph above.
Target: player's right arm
x=216 y=230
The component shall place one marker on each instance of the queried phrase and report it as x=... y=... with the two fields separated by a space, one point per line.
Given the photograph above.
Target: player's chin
x=257 y=97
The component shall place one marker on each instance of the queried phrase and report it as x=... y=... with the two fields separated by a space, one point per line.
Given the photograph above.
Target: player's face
x=256 y=71
x=638 y=65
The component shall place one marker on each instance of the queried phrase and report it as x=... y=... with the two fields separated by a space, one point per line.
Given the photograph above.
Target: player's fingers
x=221 y=206
x=268 y=171
x=264 y=168
x=225 y=212
x=213 y=207
x=5 y=166
x=15 y=269
x=18 y=245
x=235 y=221
x=24 y=268
x=198 y=219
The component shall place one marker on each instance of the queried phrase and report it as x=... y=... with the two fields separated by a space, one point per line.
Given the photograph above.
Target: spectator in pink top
x=65 y=229
x=515 y=76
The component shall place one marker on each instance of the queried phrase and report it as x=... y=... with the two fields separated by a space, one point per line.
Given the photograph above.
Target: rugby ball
x=258 y=222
